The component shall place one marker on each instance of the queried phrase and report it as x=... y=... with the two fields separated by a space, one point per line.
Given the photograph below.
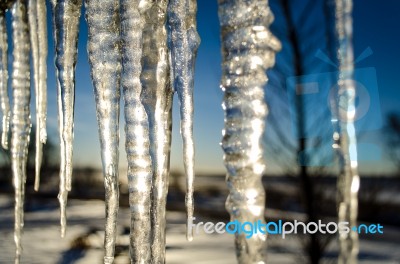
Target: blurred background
x=300 y=178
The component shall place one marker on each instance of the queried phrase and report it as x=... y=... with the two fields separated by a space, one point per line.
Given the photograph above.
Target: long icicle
x=183 y=42
x=248 y=50
x=157 y=100
x=4 y=99
x=137 y=131
x=105 y=60
x=41 y=88
x=66 y=15
x=33 y=32
x=21 y=123
x=348 y=180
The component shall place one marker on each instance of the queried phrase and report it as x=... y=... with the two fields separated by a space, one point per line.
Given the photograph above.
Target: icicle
x=4 y=99
x=43 y=52
x=183 y=42
x=248 y=49
x=66 y=15
x=349 y=180
x=37 y=53
x=21 y=123
x=136 y=130
x=105 y=60
x=38 y=25
x=157 y=101
x=33 y=31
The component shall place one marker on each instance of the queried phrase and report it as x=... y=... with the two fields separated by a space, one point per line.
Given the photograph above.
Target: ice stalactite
x=349 y=180
x=127 y=46
x=183 y=42
x=157 y=101
x=20 y=120
x=248 y=50
x=38 y=37
x=105 y=60
x=136 y=129
x=33 y=31
x=66 y=14
x=4 y=98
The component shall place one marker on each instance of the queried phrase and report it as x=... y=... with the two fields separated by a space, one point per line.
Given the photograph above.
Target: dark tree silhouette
x=393 y=140
x=313 y=248
x=304 y=28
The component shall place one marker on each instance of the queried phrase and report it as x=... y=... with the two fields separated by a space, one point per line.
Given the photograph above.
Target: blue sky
x=375 y=26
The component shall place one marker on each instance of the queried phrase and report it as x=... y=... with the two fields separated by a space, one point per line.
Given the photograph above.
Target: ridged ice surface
x=183 y=42
x=349 y=180
x=20 y=120
x=4 y=98
x=66 y=14
x=38 y=37
x=157 y=100
x=248 y=50
x=105 y=60
x=128 y=46
x=136 y=130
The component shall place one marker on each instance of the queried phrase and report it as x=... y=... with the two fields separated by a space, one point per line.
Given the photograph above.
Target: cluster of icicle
x=345 y=134
x=147 y=48
x=29 y=33
x=130 y=46
x=248 y=50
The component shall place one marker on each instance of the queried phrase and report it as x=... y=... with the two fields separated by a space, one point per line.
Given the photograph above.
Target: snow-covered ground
x=42 y=243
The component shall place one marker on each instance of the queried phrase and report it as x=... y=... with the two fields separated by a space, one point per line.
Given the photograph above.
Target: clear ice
x=248 y=50
x=183 y=42
x=348 y=180
x=38 y=37
x=4 y=99
x=66 y=14
x=104 y=51
x=137 y=143
x=129 y=46
x=20 y=120
x=157 y=100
